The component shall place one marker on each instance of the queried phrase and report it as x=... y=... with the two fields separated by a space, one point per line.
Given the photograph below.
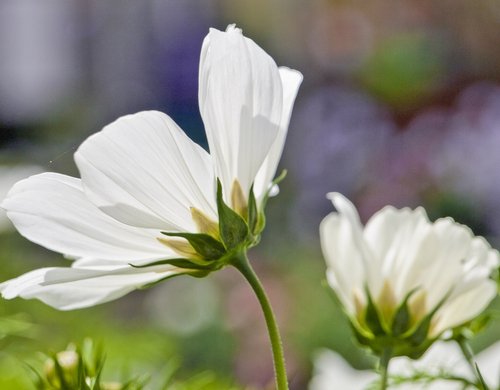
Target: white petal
x=290 y=80
x=144 y=171
x=331 y=371
x=349 y=212
x=465 y=306
x=51 y=210
x=402 y=247
x=8 y=177
x=450 y=245
x=441 y=356
x=75 y=288
x=240 y=97
x=346 y=272
x=489 y=365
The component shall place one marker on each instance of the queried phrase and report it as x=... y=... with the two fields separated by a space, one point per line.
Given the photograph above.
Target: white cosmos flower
x=331 y=371
x=441 y=267
x=142 y=175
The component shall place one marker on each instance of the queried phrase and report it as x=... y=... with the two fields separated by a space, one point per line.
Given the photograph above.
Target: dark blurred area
x=400 y=105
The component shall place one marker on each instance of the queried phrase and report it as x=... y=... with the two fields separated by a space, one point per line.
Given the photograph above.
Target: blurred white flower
x=142 y=175
x=332 y=371
x=404 y=278
x=8 y=176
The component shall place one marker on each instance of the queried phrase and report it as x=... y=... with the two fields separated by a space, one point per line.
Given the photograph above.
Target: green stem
x=469 y=356
x=384 y=368
x=241 y=263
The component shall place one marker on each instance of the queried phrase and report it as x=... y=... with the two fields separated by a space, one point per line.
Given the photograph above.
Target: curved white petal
x=290 y=80
x=75 y=288
x=346 y=273
x=488 y=361
x=450 y=245
x=51 y=210
x=464 y=307
x=144 y=171
x=9 y=175
x=331 y=371
x=241 y=100
x=413 y=253
x=349 y=212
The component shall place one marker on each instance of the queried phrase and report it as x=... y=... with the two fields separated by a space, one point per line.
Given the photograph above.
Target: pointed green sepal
x=206 y=246
x=232 y=227
x=177 y=262
x=148 y=285
x=275 y=182
x=420 y=332
x=481 y=378
x=253 y=212
x=159 y=262
x=372 y=317
x=402 y=318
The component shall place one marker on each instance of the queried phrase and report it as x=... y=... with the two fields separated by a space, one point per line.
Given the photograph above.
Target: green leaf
x=232 y=227
x=206 y=246
x=60 y=373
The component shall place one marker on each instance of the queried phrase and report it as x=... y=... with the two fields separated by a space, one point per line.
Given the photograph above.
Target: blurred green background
x=400 y=105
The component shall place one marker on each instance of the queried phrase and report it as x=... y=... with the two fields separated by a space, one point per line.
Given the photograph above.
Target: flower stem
x=241 y=263
x=469 y=356
x=384 y=368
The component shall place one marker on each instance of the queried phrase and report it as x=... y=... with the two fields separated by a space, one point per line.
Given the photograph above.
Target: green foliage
x=404 y=70
x=206 y=380
x=80 y=368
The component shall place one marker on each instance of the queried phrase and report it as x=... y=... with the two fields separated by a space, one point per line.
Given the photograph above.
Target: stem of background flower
x=384 y=368
x=241 y=263
x=469 y=356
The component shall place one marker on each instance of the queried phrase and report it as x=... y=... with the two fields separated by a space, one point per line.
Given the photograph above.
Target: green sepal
x=372 y=317
x=160 y=262
x=232 y=227
x=148 y=285
x=361 y=336
x=418 y=334
x=275 y=182
x=481 y=378
x=180 y=263
x=206 y=246
x=402 y=317
x=253 y=212
x=261 y=218
x=198 y=274
x=478 y=324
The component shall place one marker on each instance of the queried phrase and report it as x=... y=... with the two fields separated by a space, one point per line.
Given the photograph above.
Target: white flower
x=416 y=273
x=141 y=175
x=331 y=371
